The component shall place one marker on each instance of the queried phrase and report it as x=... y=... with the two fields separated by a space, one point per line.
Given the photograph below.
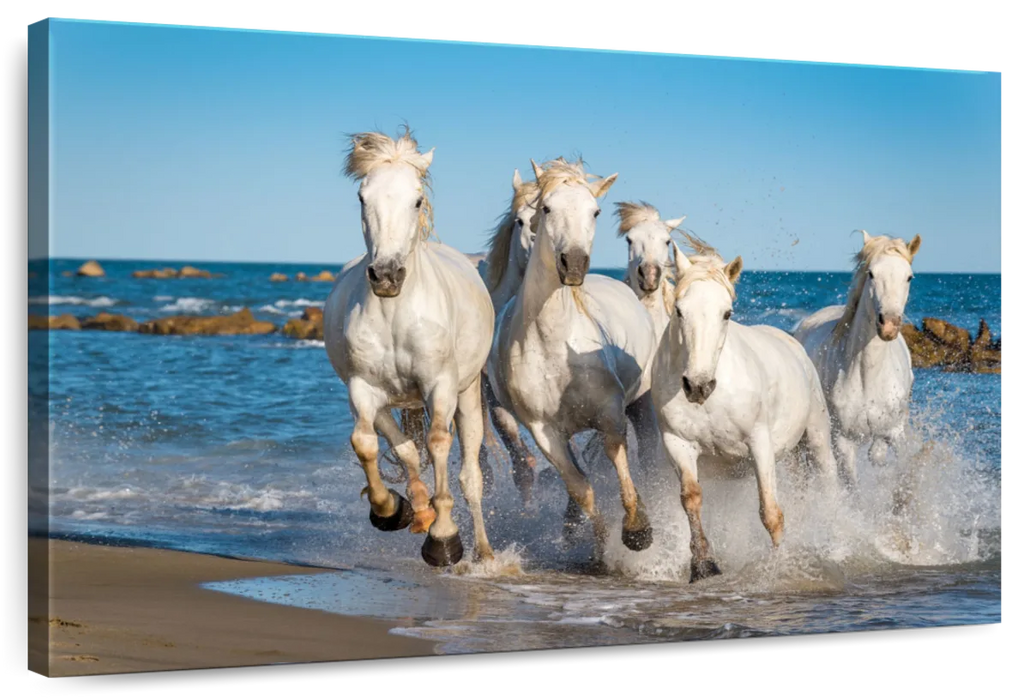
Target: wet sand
x=128 y=609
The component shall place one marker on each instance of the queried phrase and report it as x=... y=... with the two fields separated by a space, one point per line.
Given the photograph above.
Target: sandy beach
x=127 y=609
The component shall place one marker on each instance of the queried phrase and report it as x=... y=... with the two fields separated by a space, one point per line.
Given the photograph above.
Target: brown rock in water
x=67 y=273
x=278 y=277
x=188 y=271
x=239 y=323
x=166 y=273
x=984 y=355
x=90 y=269
x=947 y=334
x=307 y=327
x=64 y=322
x=323 y=276
x=301 y=277
x=104 y=321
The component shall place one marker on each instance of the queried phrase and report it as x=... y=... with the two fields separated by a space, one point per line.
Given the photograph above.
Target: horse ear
x=428 y=157
x=733 y=269
x=674 y=223
x=537 y=170
x=866 y=238
x=516 y=181
x=682 y=263
x=600 y=187
x=915 y=244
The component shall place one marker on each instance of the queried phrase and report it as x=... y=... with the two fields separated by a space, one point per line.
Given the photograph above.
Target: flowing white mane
x=705 y=264
x=500 y=240
x=632 y=214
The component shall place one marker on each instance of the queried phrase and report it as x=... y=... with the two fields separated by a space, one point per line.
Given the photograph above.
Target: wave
x=188 y=304
x=284 y=303
x=71 y=301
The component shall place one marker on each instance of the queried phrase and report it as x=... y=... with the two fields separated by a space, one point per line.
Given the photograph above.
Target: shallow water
x=240 y=446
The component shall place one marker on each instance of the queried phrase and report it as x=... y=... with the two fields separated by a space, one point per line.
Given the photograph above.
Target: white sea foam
x=72 y=301
x=285 y=303
x=188 y=305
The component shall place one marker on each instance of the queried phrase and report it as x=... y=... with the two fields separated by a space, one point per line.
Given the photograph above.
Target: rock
x=90 y=269
x=188 y=271
x=307 y=327
x=323 y=276
x=67 y=273
x=64 y=322
x=944 y=345
x=239 y=323
x=104 y=321
x=301 y=277
x=166 y=273
x=278 y=277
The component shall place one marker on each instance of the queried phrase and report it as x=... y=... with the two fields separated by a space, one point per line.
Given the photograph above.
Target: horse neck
x=510 y=281
x=541 y=282
x=654 y=303
x=862 y=342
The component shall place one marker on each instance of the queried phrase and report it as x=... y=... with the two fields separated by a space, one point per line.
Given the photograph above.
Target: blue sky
x=194 y=144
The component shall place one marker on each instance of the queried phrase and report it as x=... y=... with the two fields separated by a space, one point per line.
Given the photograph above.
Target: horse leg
x=386 y=505
x=555 y=447
x=846 y=457
x=818 y=437
x=636 y=532
x=683 y=455
x=469 y=432
x=763 y=454
x=422 y=513
x=644 y=423
x=442 y=546
x=484 y=464
x=523 y=464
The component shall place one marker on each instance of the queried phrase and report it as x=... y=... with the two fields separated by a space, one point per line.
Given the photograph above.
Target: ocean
x=240 y=446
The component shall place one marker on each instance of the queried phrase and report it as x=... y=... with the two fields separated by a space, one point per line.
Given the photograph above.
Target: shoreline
x=125 y=609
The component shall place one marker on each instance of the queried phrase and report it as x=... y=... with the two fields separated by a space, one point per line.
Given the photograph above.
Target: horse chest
x=870 y=399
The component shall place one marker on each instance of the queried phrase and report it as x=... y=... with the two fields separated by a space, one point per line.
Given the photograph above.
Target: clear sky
x=197 y=144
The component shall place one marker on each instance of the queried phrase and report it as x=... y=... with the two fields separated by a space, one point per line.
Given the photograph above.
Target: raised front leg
x=443 y=546
x=469 y=432
x=648 y=435
x=636 y=532
x=763 y=454
x=683 y=455
x=387 y=511
x=421 y=513
x=555 y=447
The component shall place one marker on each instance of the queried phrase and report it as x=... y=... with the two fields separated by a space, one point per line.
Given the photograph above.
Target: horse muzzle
x=649 y=277
x=888 y=327
x=698 y=392
x=572 y=267
x=386 y=278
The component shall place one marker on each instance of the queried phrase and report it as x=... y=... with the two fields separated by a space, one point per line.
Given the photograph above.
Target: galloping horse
x=408 y=325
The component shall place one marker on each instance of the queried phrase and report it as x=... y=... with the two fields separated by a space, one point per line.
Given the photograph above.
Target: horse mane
x=705 y=264
x=632 y=214
x=873 y=248
x=371 y=149
x=500 y=239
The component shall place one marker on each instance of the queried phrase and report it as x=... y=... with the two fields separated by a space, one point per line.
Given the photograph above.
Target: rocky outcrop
x=944 y=345
x=90 y=269
x=278 y=277
x=323 y=276
x=186 y=272
x=104 y=321
x=64 y=322
x=239 y=323
x=307 y=327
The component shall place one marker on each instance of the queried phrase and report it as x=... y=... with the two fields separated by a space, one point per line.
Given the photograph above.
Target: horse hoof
x=445 y=552
x=705 y=568
x=401 y=518
x=638 y=540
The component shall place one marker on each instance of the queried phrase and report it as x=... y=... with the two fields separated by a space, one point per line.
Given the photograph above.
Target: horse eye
x=517 y=223
x=728 y=315
x=360 y=198
x=910 y=277
x=596 y=213
x=678 y=312
x=546 y=210
x=870 y=275
x=418 y=204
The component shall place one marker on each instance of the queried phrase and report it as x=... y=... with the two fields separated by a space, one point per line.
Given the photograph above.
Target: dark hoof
x=705 y=568
x=401 y=518
x=445 y=552
x=638 y=540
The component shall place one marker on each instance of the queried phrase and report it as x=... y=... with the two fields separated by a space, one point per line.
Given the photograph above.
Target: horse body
x=572 y=350
x=408 y=325
x=728 y=394
x=861 y=357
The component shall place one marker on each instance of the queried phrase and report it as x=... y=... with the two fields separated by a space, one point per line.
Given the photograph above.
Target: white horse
x=571 y=351
x=408 y=325
x=727 y=394
x=861 y=357
x=503 y=271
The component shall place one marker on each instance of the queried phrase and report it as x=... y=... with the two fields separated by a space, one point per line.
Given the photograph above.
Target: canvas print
x=348 y=348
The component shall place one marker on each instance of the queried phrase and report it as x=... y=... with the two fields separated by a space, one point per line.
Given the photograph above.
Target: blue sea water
x=240 y=446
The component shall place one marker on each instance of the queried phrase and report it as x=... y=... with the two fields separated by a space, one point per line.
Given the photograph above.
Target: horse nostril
x=882 y=320
x=686 y=385
x=373 y=275
x=564 y=260
x=710 y=388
